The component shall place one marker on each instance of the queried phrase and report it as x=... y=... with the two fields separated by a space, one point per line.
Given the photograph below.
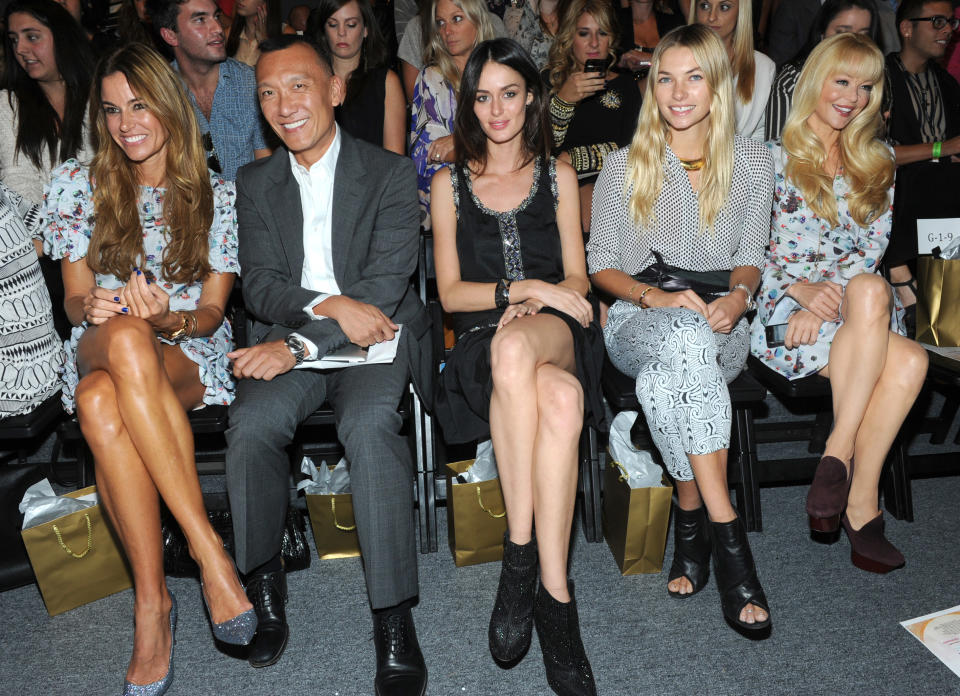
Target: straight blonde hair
x=116 y=245
x=646 y=159
x=435 y=52
x=867 y=163
x=744 y=66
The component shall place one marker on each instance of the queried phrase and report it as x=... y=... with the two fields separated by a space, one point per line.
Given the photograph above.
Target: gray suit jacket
x=375 y=240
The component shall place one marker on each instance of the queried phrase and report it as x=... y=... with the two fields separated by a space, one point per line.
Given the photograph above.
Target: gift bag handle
x=89 y=539
x=341 y=527
x=492 y=514
x=623 y=472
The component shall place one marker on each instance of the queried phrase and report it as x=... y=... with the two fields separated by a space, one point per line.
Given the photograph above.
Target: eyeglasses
x=939 y=22
x=212 y=161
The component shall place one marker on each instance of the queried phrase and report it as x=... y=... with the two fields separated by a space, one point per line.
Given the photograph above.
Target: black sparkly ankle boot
x=558 y=628
x=511 y=623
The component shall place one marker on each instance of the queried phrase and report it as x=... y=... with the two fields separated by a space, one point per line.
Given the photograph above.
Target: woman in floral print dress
x=148 y=240
x=830 y=227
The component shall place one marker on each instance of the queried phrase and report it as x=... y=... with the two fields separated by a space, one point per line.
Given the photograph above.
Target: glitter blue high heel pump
x=236 y=631
x=161 y=685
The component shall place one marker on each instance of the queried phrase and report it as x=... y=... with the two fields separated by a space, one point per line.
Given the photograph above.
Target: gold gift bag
x=635 y=522
x=334 y=529
x=476 y=518
x=77 y=558
x=938 y=307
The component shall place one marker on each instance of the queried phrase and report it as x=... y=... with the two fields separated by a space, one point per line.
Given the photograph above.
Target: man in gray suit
x=328 y=232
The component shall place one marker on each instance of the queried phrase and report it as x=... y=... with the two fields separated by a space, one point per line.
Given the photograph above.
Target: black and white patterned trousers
x=682 y=369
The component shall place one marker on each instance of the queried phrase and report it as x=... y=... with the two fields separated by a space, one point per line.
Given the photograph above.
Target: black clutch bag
x=176 y=557
x=709 y=285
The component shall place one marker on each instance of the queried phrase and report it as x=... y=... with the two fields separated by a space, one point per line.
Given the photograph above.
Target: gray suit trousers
x=263 y=419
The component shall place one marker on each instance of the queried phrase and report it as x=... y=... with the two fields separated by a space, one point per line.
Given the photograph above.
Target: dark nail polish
x=148 y=281
x=138 y=272
x=124 y=310
x=116 y=299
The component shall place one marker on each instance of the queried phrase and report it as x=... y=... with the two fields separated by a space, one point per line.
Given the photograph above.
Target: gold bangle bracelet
x=180 y=331
x=644 y=294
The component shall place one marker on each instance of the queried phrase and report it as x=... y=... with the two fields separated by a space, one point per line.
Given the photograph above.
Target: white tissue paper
x=953 y=249
x=638 y=465
x=40 y=504
x=323 y=480
x=484 y=467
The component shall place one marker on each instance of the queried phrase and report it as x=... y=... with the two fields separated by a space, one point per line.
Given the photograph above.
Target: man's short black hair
x=163 y=13
x=284 y=41
x=910 y=9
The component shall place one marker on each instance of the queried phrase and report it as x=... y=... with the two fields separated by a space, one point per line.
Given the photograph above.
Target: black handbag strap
x=672 y=279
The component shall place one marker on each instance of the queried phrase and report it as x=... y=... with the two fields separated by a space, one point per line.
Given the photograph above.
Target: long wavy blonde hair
x=867 y=163
x=647 y=155
x=435 y=52
x=117 y=243
x=562 y=63
x=744 y=66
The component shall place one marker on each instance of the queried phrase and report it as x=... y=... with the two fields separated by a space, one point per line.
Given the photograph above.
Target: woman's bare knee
x=560 y=402
x=131 y=349
x=907 y=364
x=512 y=358
x=867 y=297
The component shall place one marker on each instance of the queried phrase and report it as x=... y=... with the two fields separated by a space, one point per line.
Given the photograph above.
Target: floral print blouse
x=434 y=107
x=69 y=220
x=804 y=248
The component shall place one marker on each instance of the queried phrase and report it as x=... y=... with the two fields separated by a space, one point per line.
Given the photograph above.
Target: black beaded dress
x=523 y=243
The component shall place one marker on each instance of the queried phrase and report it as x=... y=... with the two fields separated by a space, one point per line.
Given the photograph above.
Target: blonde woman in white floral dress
x=831 y=225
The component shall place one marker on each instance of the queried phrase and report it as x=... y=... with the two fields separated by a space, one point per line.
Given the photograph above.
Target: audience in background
x=253 y=21
x=753 y=72
x=534 y=25
x=30 y=350
x=591 y=113
x=790 y=27
x=642 y=23
x=455 y=29
x=46 y=79
x=924 y=127
x=221 y=90
x=953 y=52
x=297 y=20
x=692 y=193
x=834 y=17
x=149 y=246
x=373 y=108
x=831 y=222
x=527 y=362
x=413 y=49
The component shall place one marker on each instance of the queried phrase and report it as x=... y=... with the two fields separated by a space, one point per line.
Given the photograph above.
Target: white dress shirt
x=316 y=202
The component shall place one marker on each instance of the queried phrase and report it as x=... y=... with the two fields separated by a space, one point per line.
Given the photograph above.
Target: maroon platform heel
x=828 y=493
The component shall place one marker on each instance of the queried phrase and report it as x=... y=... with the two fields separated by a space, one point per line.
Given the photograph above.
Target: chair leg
x=426 y=498
x=590 y=485
x=745 y=457
x=821 y=430
x=945 y=420
x=897 y=489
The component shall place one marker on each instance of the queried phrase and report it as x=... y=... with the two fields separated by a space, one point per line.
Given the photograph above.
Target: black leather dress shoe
x=268 y=594
x=401 y=670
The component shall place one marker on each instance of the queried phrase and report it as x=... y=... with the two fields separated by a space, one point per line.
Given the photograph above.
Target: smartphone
x=595 y=65
x=776 y=333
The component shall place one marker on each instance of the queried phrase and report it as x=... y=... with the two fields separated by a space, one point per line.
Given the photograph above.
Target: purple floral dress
x=804 y=248
x=69 y=219
x=434 y=106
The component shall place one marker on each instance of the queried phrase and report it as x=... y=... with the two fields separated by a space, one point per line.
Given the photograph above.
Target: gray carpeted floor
x=835 y=630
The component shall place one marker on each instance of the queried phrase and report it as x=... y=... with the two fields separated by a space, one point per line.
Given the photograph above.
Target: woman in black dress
x=511 y=270
x=374 y=108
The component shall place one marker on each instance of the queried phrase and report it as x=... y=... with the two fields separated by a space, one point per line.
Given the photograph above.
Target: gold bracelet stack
x=187 y=328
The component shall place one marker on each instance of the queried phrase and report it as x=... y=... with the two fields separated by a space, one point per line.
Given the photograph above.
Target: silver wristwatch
x=296 y=346
x=751 y=304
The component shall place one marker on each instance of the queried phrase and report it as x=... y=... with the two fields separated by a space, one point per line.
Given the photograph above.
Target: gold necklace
x=694 y=165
